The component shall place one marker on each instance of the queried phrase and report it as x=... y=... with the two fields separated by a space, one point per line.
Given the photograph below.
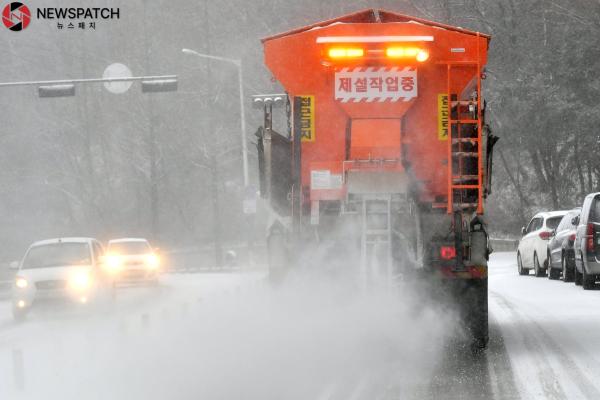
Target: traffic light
x=64 y=90
x=275 y=100
x=159 y=85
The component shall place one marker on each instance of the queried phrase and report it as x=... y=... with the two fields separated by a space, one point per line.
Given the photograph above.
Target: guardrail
x=202 y=259
x=504 y=244
x=196 y=260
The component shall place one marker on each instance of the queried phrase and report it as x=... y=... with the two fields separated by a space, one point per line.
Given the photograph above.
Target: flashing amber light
x=422 y=56
x=407 y=52
x=346 y=52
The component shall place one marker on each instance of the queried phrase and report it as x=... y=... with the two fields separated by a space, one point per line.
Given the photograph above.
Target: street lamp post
x=238 y=64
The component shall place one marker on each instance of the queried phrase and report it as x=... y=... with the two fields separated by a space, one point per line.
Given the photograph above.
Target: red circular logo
x=16 y=16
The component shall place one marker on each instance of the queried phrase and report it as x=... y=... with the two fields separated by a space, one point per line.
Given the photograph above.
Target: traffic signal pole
x=167 y=82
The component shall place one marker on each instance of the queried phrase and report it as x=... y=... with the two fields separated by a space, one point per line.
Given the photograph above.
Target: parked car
x=533 y=247
x=133 y=259
x=64 y=269
x=587 y=242
x=560 y=248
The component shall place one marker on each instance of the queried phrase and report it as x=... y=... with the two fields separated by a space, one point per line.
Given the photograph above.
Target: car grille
x=50 y=285
x=134 y=264
x=134 y=274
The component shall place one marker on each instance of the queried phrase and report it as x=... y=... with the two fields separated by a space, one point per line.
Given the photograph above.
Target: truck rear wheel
x=475 y=307
x=471 y=299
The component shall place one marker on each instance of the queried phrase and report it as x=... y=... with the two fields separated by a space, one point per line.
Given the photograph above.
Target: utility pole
x=154 y=208
x=249 y=204
x=153 y=187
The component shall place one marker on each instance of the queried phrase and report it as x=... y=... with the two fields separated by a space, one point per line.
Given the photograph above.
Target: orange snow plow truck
x=387 y=158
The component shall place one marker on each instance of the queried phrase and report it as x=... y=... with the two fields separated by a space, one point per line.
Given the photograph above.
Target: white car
x=533 y=247
x=65 y=269
x=132 y=259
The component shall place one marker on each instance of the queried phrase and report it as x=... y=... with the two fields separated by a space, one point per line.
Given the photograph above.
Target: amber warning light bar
x=375 y=47
x=394 y=52
x=421 y=55
x=345 y=52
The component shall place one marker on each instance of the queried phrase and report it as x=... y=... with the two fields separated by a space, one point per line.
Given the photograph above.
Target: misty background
x=82 y=165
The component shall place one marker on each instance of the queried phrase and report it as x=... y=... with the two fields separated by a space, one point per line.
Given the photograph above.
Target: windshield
x=129 y=247
x=567 y=221
x=553 y=222
x=57 y=255
x=595 y=210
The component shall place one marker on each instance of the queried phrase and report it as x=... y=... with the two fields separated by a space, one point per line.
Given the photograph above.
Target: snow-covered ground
x=551 y=331
x=232 y=336
x=70 y=353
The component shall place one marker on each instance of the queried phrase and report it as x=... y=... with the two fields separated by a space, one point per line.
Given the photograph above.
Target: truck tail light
x=572 y=237
x=447 y=252
x=346 y=52
x=545 y=235
x=589 y=245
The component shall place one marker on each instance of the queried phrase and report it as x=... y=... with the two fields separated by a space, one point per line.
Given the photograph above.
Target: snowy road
x=551 y=331
x=229 y=336
x=74 y=354
x=544 y=344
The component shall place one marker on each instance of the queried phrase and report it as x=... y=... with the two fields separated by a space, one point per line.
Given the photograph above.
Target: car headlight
x=80 y=281
x=113 y=261
x=152 y=261
x=21 y=282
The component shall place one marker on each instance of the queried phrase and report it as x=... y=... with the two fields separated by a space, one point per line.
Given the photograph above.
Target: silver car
x=132 y=260
x=587 y=242
x=64 y=269
x=533 y=247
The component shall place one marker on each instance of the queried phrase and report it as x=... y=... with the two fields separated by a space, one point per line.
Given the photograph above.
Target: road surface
x=551 y=331
x=232 y=336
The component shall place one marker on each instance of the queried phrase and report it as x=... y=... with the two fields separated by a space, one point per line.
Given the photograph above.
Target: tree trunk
x=577 y=160
x=589 y=176
x=523 y=202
